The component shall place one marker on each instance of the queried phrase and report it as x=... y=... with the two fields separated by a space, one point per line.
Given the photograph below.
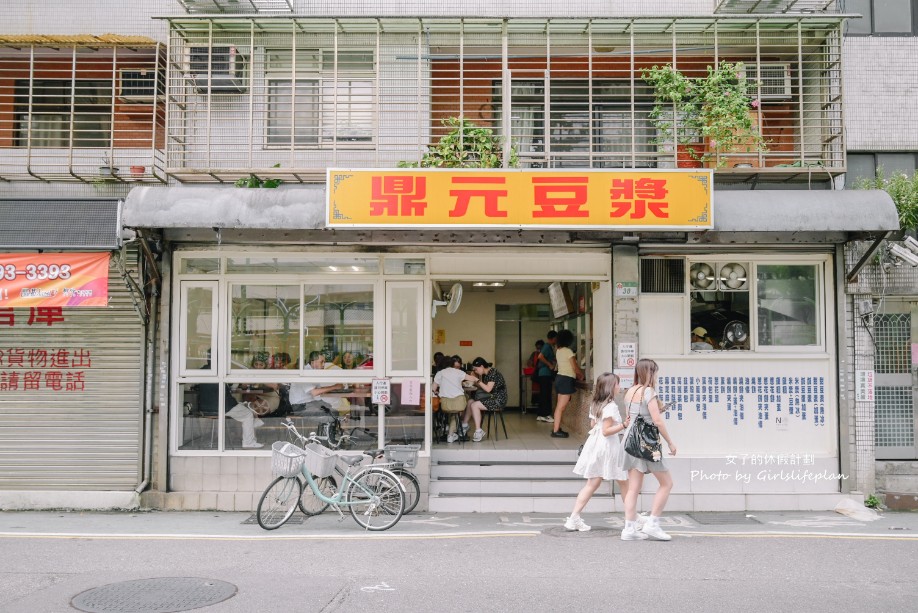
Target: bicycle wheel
x=412 y=488
x=278 y=502
x=375 y=499
x=310 y=504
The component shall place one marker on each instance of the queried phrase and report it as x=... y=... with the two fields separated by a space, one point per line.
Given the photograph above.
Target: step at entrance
x=489 y=481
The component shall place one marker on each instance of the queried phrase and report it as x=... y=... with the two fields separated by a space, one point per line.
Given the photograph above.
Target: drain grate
x=159 y=595
x=296 y=518
x=717 y=519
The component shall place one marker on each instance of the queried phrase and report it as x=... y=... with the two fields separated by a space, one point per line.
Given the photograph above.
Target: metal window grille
x=662 y=275
x=892 y=332
x=895 y=417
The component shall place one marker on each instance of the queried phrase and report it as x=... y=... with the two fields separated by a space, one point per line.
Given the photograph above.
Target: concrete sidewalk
x=234 y=525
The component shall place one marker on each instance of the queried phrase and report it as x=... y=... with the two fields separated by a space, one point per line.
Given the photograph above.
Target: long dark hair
x=645 y=375
x=603 y=393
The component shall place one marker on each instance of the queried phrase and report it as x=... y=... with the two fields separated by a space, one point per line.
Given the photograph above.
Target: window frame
x=327 y=106
x=823 y=309
x=33 y=103
x=913 y=23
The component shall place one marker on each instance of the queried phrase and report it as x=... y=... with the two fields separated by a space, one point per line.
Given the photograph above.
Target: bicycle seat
x=351 y=460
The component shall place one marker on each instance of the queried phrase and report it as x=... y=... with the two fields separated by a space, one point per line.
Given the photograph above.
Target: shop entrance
x=501 y=322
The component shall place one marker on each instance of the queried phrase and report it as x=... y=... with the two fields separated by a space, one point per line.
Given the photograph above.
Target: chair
x=500 y=413
x=197 y=416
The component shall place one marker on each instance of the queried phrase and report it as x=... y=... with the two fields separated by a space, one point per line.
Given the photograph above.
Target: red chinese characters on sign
x=398 y=195
x=560 y=197
x=639 y=197
x=35 y=369
x=37 y=315
x=490 y=196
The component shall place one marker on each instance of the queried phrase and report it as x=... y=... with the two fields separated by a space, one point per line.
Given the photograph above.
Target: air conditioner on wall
x=222 y=67
x=138 y=86
x=771 y=81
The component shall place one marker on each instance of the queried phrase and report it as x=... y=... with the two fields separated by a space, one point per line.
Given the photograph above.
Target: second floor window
x=51 y=113
x=320 y=99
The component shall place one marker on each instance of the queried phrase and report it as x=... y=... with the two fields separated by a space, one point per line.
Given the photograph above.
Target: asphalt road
x=505 y=568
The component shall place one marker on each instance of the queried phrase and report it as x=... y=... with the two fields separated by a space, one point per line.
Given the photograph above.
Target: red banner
x=54 y=279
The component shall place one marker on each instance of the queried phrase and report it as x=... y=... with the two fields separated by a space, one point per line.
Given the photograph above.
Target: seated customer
x=447 y=384
x=489 y=380
x=305 y=397
x=700 y=340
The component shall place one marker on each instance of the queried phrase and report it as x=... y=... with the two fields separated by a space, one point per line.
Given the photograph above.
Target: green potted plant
x=466 y=145
x=714 y=109
x=675 y=114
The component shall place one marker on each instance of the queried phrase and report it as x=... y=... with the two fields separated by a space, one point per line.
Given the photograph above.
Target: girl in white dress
x=601 y=456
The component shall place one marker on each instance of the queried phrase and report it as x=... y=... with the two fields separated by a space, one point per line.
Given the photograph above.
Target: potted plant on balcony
x=714 y=109
x=675 y=114
x=466 y=145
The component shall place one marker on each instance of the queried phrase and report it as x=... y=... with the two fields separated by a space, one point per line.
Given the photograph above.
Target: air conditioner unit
x=221 y=68
x=770 y=81
x=138 y=86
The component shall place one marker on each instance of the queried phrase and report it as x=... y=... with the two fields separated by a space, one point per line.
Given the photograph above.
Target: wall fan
x=451 y=302
x=702 y=276
x=733 y=276
x=735 y=335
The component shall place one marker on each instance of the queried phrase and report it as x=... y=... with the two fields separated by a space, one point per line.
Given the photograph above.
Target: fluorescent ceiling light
x=489 y=284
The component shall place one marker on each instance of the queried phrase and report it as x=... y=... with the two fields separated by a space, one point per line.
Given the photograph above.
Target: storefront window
x=198 y=428
x=299 y=264
x=198 y=326
x=787 y=305
x=337 y=321
x=200 y=266
x=265 y=326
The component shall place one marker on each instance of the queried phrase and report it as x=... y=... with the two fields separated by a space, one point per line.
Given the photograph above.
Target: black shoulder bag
x=643 y=440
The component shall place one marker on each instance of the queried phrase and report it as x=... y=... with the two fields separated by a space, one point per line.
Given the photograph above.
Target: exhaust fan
x=702 y=276
x=733 y=276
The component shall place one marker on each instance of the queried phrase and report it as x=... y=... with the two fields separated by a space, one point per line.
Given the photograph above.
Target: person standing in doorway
x=600 y=459
x=641 y=399
x=546 y=375
x=565 y=383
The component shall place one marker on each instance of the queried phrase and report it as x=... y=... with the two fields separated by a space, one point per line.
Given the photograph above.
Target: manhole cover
x=595 y=531
x=160 y=595
x=716 y=519
x=296 y=518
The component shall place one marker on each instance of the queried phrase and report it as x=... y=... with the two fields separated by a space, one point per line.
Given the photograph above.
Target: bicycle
x=335 y=436
x=399 y=458
x=374 y=496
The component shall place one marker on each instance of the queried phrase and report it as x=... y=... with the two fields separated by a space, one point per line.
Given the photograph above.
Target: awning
x=60 y=224
x=302 y=207
x=856 y=210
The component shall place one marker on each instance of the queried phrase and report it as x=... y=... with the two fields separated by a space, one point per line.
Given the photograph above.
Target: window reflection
x=338 y=319
x=265 y=324
x=787 y=305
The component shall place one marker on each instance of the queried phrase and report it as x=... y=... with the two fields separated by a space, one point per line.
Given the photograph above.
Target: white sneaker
x=655 y=532
x=464 y=430
x=547 y=420
x=630 y=534
x=640 y=521
x=571 y=524
x=479 y=434
x=452 y=438
x=253 y=446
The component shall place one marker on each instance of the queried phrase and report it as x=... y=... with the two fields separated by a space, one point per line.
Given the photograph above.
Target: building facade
x=236 y=136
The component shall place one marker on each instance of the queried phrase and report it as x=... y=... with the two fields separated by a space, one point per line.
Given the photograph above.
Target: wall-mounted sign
x=381 y=392
x=627 y=355
x=518 y=198
x=863 y=385
x=626 y=288
x=54 y=279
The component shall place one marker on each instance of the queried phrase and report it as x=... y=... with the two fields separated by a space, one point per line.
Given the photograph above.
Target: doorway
x=516 y=329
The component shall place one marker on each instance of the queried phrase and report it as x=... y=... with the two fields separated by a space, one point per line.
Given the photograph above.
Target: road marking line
x=806 y=535
x=260 y=537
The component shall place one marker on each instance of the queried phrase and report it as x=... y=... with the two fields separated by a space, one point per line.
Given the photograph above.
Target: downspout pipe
x=152 y=323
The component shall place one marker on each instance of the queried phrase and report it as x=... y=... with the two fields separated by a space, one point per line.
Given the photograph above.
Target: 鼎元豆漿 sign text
x=414 y=197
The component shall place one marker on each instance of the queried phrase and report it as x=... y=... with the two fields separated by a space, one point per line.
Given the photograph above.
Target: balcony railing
x=289 y=97
x=82 y=108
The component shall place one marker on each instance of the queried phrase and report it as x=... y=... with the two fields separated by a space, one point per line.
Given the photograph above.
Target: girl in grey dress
x=641 y=399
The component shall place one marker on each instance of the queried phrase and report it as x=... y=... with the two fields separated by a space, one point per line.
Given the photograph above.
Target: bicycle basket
x=286 y=459
x=405 y=454
x=319 y=460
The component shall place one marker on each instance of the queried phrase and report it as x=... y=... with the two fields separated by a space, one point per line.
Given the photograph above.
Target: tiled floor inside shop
x=523 y=432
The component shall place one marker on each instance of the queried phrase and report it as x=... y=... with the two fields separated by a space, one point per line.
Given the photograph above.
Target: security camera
x=903 y=254
x=911 y=244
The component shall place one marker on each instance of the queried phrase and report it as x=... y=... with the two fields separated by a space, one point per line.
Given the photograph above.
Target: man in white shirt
x=305 y=397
